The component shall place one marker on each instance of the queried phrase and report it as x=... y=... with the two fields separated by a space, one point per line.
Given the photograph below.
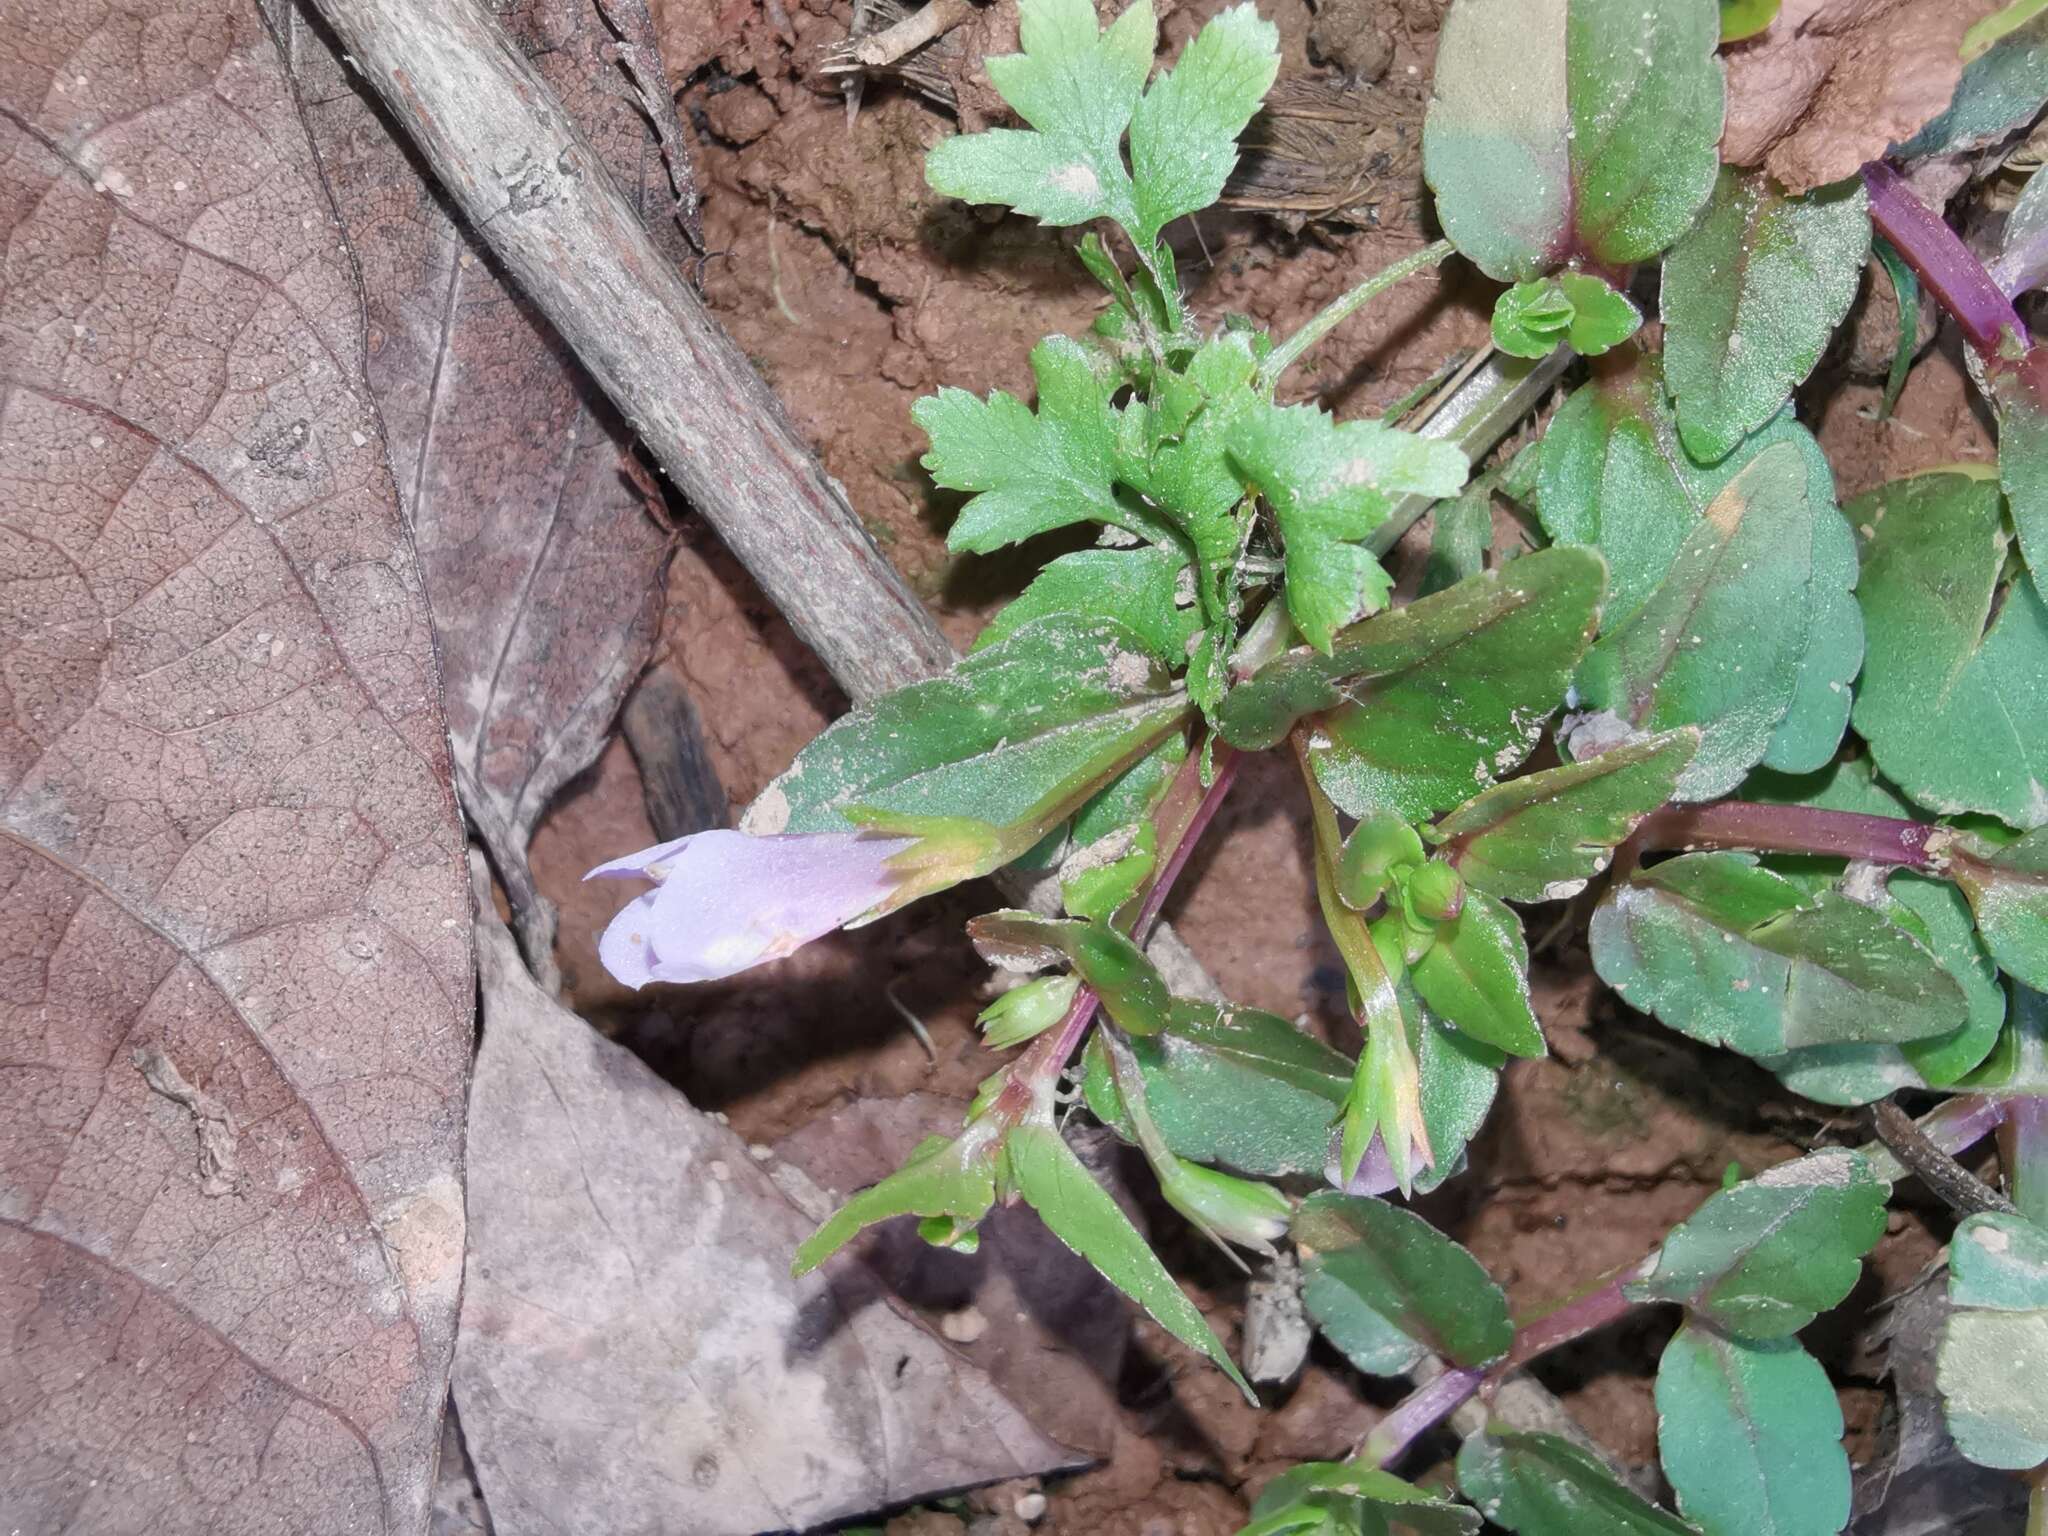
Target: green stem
x=1339 y=310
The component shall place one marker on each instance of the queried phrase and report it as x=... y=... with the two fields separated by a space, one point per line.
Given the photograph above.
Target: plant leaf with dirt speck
x=1184 y=133
x=1081 y=1214
x=1543 y=1485
x=1499 y=648
x=1351 y=1498
x=1386 y=1287
x=239 y=996
x=1750 y=297
x=1751 y=1437
x=1765 y=1258
x=1030 y=471
x=1330 y=484
x=1233 y=1086
x=1077 y=85
x=1476 y=977
x=1541 y=837
x=1993 y=1364
x=1732 y=954
x=2020 y=397
x=1720 y=642
x=1571 y=128
x=1934 y=912
x=1613 y=473
x=1014 y=739
x=1949 y=700
x=1138 y=588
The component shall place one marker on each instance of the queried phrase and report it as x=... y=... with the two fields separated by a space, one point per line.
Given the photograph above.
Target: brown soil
x=854 y=291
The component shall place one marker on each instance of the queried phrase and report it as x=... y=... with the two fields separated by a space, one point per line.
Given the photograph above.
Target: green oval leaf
x=1387 y=1287
x=1614 y=474
x=1751 y=296
x=1732 y=954
x=1763 y=1259
x=1721 y=641
x=1751 y=1437
x=1950 y=698
x=1476 y=976
x=1992 y=1368
x=1140 y=589
x=1571 y=128
x=1543 y=1485
x=1543 y=836
x=1233 y=1086
x=2008 y=891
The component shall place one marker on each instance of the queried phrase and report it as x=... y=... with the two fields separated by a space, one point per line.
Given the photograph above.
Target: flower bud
x=1248 y=1213
x=1376 y=847
x=1436 y=892
x=1027 y=1010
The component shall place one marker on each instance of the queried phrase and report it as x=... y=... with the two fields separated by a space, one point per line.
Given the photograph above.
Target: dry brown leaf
x=634 y=1356
x=543 y=559
x=234 y=1005
x=1833 y=83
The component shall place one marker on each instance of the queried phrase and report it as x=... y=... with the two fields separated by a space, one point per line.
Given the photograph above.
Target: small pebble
x=1030 y=1508
x=964 y=1326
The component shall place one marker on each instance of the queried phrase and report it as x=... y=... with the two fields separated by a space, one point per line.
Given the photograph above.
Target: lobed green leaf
x=1184 y=133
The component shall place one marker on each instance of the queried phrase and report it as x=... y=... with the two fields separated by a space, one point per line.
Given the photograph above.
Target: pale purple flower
x=724 y=901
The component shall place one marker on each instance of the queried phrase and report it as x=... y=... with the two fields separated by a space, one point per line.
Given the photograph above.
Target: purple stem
x=1945 y=265
x=2023 y=1150
x=1417 y=1413
x=1790 y=829
x=1226 y=762
x=1954 y=1126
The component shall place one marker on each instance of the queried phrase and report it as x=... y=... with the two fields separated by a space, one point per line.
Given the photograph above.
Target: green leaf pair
x=1572 y=309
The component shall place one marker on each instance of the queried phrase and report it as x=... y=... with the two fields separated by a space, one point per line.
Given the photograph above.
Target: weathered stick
x=511 y=158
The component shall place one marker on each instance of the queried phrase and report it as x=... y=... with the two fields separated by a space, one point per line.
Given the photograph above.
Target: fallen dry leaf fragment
x=544 y=561
x=234 y=1004
x=1833 y=83
x=634 y=1356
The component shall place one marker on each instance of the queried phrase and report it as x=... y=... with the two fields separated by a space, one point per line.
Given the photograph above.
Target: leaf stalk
x=1343 y=307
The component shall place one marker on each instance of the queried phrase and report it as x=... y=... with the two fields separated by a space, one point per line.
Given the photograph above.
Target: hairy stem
x=1343 y=308
x=1945 y=266
x=1791 y=829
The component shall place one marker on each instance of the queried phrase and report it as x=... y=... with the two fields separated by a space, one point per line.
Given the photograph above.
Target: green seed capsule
x=1436 y=892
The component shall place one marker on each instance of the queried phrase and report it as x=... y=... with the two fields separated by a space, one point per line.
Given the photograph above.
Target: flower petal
x=637 y=863
x=728 y=901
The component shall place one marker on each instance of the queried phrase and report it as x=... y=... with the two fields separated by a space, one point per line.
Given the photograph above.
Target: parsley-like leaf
x=1184 y=137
